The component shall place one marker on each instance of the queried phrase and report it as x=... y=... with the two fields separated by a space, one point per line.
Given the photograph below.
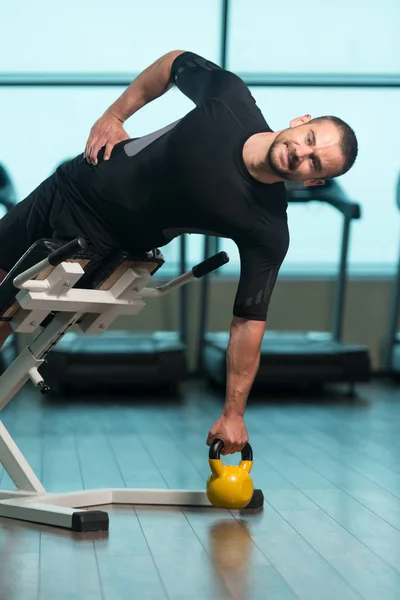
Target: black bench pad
x=97 y=269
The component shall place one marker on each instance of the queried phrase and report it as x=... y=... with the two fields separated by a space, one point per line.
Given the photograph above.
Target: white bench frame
x=94 y=310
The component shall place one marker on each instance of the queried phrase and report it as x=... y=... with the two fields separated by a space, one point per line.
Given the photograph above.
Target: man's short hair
x=348 y=142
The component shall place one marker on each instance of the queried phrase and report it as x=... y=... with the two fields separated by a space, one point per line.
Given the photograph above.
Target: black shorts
x=43 y=214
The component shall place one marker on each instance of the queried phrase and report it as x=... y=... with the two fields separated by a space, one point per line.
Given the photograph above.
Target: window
x=99 y=36
x=314 y=37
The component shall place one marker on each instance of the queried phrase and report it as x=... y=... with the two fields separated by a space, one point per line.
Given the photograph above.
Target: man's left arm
x=242 y=363
x=259 y=271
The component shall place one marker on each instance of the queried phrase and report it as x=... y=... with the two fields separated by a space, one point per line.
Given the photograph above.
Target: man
x=219 y=170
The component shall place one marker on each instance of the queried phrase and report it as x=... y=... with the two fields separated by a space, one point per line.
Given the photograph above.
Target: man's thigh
x=27 y=222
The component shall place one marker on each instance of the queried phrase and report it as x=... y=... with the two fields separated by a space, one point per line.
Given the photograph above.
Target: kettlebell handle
x=217 y=446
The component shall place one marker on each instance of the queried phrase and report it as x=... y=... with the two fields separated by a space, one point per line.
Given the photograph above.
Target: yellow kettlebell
x=229 y=486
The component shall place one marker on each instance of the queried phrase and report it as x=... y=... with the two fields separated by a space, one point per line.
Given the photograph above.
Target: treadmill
x=311 y=358
x=8 y=199
x=392 y=346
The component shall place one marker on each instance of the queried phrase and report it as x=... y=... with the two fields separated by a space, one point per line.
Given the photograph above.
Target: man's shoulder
x=269 y=213
x=240 y=101
x=272 y=200
x=269 y=238
x=247 y=116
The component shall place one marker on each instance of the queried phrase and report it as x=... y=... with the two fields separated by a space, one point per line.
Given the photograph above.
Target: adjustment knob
x=44 y=388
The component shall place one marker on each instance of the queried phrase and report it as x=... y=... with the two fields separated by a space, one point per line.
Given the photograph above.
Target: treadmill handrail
x=7 y=198
x=7 y=191
x=349 y=208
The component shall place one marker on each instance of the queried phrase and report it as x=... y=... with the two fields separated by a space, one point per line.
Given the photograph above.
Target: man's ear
x=300 y=120
x=313 y=182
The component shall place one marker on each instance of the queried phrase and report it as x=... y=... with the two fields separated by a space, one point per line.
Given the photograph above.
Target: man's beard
x=272 y=159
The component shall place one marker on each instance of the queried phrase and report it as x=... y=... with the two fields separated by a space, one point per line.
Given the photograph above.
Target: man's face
x=309 y=152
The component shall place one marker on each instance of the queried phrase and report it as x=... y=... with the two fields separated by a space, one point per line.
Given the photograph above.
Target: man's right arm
x=195 y=76
x=152 y=83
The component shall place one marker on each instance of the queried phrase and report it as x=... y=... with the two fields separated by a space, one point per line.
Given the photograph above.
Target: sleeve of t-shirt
x=259 y=270
x=200 y=79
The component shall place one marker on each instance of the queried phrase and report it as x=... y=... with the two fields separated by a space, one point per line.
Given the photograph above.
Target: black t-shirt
x=189 y=177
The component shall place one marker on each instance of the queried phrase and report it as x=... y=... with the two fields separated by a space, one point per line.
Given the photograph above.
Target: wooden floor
x=329 y=469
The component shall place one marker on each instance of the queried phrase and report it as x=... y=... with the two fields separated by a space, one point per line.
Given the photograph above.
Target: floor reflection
x=231 y=552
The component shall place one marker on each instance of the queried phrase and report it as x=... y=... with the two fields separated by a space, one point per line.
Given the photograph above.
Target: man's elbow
x=254 y=328
x=177 y=52
x=167 y=61
x=251 y=323
x=172 y=55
